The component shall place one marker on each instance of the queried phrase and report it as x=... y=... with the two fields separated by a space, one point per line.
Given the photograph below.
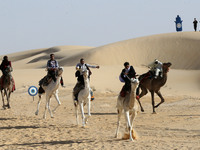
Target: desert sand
x=175 y=126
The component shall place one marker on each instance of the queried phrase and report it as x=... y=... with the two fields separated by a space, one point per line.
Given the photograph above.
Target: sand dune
x=182 y=49
x=37 y=58
x=176 y=126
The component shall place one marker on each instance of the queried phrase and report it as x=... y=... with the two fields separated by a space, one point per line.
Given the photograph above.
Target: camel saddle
x=148 y=75
x=45 y=81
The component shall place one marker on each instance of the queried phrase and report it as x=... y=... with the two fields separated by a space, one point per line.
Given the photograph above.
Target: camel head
x=134 y=83
x=85 y=74
x=60 y=71
x=8 y=70
x=166 y=67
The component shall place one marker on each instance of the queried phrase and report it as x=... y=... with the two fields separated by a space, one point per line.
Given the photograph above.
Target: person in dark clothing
x=5 y=63
x=195 y=22
x=127 y=73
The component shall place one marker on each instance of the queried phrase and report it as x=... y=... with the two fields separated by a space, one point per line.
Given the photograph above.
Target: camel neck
x=164 y=79
x=58 y=80
x=132 y=97
x=87 y=84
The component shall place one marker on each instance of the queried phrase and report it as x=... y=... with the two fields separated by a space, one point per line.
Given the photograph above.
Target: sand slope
x=181 y=49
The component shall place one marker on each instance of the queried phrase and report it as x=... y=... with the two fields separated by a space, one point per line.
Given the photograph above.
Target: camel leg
x=119 y=111
x=133 y=116
x=129 y=124
x=8 y=99
x=2 y=94
x=144 y=92
x=153 y=102
x=50 y=108
x=76 y=112
x=89 y=106
x=57 y=98
x=38 y=105
x=162 y=99
x=47 y=106
x=82 y=112
x=6 y=94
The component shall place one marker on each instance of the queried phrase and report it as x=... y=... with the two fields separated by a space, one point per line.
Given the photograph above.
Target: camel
x=153 y=85
x=130 y=107
x=7 y=86
x=50 y=89
x=84 y=97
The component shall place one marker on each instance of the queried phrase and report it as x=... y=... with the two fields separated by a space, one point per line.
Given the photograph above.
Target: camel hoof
x=131 y=139
x=154 y=113
x=52 y=116
x=142 y=110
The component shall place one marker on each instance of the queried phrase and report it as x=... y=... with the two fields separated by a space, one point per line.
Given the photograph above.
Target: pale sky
x=33 y=24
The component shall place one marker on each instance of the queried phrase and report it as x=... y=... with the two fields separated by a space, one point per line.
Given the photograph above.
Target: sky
x=34 y=24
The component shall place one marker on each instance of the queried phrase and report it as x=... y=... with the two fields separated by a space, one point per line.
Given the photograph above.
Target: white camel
x=130 y=107
x=84 y=98
x=50 y=89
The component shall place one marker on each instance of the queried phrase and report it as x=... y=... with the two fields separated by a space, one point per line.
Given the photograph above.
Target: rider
x=4 y=65
x=80 y=67
x=156 y=68
x=127 y=73
x=52 y=67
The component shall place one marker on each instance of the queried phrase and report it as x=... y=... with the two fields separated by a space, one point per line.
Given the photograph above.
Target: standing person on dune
x=195 y=22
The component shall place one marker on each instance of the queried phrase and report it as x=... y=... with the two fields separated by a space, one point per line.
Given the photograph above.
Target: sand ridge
x=182 y=49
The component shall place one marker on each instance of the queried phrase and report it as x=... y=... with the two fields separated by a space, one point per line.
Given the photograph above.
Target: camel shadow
x=8 y=119
x=103 y=114
x=21 y=127
x=51 y=143
x=184 y=115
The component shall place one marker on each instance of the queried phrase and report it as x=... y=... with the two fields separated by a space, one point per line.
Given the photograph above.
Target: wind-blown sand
x=176 y=126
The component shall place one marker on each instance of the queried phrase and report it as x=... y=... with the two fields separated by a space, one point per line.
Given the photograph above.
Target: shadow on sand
x=8 y=118
x=103 y=113
x=21 y=127
x=36 y=144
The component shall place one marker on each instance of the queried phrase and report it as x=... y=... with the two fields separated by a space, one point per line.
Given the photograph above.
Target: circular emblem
x=32 y=91
x=178 y=25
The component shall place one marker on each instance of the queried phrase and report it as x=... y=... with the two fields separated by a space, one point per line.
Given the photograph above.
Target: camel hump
x=144 y=76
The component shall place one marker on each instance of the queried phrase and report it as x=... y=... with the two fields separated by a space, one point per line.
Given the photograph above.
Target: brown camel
x=153 y=85
x=7 y=86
